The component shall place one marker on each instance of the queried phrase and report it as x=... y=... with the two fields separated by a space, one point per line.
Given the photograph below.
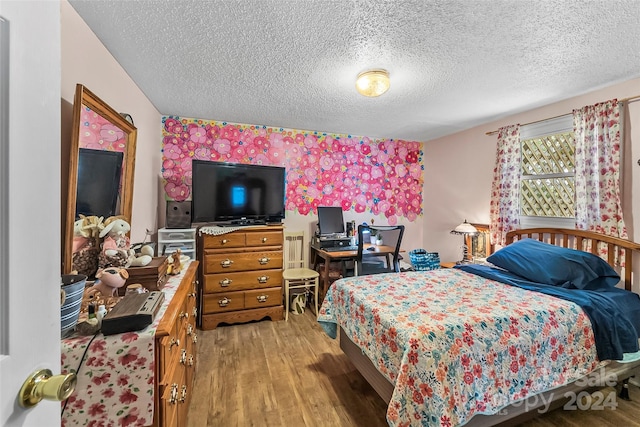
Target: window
x=547 y=186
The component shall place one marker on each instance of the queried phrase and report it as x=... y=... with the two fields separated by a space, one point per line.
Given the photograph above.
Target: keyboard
x=340 y=248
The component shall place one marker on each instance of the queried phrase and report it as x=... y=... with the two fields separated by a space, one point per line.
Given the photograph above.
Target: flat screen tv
x=99 y=174
x=236 y=193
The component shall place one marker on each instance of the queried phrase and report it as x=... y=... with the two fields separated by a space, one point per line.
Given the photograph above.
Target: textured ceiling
x=293 y=63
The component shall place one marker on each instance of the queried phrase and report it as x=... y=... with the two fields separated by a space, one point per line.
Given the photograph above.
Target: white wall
x=459 y=170
x=85 y=60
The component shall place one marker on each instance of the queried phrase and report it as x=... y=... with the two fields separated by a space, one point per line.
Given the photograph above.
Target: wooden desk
x=329 y=257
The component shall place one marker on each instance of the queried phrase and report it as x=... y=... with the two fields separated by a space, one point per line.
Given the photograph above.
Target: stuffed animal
x=109 y=280
x=116 y=250
x=175 y=263
x=85 y=244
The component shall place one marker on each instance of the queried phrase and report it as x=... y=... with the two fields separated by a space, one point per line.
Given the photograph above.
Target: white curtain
x=505 y=189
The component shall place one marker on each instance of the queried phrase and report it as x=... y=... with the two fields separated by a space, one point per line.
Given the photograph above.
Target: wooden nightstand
x=447 y=264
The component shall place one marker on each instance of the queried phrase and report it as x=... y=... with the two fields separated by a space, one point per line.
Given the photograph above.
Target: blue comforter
x=614 y=312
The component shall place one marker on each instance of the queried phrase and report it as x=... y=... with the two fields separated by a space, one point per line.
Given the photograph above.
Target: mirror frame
x=85 y=98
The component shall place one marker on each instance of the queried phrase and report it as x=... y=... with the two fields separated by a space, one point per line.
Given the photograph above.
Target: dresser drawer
x=264 y=238
x=225 y=301
x=170 y=394
x=225 y=282
x=242 y=261
x=263 y=297
x=169 y=349
x=228 y=240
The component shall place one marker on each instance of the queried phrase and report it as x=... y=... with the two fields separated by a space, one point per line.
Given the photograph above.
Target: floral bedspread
x=116 y=377
x=455 y=344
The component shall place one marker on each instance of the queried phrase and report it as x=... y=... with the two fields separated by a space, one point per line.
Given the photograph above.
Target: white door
x=29 y=204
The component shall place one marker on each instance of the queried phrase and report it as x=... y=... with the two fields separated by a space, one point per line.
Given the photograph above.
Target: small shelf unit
x=170 y=239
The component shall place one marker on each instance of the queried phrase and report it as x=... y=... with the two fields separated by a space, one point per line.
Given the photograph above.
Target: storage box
x=152 y=276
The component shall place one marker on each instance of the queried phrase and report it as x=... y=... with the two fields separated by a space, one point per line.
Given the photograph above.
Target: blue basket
x=421 y=260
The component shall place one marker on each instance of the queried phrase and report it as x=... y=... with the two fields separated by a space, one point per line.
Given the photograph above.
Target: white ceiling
x=292 y=63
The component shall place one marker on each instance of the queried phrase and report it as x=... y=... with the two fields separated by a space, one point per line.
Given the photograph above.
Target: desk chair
x=296 y=273
x=372 y=262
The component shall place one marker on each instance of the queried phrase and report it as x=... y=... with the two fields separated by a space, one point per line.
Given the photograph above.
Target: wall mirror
x=100 y=164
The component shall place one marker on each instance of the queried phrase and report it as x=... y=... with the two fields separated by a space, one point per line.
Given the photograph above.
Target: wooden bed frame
x=518 y=413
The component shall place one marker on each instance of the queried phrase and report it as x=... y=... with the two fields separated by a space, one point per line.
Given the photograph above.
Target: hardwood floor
x=292 y=374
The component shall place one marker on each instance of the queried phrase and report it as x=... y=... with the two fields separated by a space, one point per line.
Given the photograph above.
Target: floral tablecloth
x=116 y=375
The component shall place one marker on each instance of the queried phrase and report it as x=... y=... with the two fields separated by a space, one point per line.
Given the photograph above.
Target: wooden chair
x=296 y=273
x=374 y=262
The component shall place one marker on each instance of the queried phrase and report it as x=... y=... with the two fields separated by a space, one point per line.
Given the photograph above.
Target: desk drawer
x=225 y=282
x=242 y=261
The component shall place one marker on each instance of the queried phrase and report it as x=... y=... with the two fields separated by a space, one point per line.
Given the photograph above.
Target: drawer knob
x=224 y=241
x=224 y=302
x=183 y=394
x=194 y=339
x=263 y=279
x=225 y=282
x=195 y=311
x=262 y=298
x=174 y=341
x=226 y=263
x=192 y=295
x=191 y=360
x=183 y=356
x=263 y=260
x=173 y=397
x=264 y=240
x=189 y=329
x=183 y=315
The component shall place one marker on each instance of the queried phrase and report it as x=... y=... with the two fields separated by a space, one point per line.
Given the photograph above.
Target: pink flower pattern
x=360 y=174
x=504 y=209
x=465 y=345
x=116 y=380
x=597 y=157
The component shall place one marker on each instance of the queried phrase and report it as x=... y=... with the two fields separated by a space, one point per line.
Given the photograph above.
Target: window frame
x=556 y=125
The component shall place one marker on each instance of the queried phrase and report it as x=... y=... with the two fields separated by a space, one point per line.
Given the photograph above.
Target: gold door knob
x=43 y=384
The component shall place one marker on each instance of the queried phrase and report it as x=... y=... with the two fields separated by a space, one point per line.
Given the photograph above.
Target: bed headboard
x=580 y=239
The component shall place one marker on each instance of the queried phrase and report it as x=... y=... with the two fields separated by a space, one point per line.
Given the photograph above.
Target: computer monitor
x=330 y=220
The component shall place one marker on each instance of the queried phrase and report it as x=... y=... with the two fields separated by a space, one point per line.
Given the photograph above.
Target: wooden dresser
x=153 y=369
x=176 y=341
x=240 y=275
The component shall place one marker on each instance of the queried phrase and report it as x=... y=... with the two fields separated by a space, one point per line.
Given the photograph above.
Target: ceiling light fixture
x=373 y=83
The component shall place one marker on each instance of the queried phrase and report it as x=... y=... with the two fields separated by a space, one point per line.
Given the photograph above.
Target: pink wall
x=374 y=176
x=458 y=169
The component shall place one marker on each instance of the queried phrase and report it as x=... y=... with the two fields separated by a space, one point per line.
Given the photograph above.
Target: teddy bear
x=116 y=249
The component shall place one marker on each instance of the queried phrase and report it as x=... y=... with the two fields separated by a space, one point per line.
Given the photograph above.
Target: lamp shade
x=464 y=228
x=373 y=83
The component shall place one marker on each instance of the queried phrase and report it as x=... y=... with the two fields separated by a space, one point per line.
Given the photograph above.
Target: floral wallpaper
x=380 y=176
x=98 y=133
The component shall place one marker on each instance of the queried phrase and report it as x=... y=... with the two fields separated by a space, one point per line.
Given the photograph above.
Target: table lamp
x=465 y=229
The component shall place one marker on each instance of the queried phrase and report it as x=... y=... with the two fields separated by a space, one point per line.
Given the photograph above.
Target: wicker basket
x=421 y=260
